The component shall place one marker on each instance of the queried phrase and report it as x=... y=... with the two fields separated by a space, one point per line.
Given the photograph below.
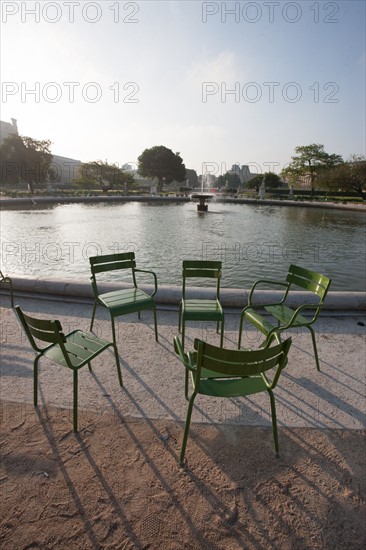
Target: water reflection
x=251 y=241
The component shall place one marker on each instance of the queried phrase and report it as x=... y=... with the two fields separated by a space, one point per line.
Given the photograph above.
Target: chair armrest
x=272 y=384
x=268 y=282
x=153 y=274
x=282 y=364
x=184 y=357
x=298 y=310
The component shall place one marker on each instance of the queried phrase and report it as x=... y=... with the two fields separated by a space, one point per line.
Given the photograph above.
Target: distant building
x=64 y=168
x=7 y=129
x=242 y=171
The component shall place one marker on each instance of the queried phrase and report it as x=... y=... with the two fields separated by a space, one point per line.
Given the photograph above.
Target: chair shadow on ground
x=232 y=482
x=219 y=505
x=291 y=444
x=46 y=424
x=176 y=501
x=11 y=365
x=233 y=478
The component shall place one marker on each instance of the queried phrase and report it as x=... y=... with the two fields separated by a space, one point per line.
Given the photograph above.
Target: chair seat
x=81 y=348
x=260 y=322
x=284 y=314
x=127 y=300
x=280 y=312
x=201 y=310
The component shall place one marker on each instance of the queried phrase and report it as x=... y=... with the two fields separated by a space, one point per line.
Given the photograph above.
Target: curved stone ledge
x=171 y=295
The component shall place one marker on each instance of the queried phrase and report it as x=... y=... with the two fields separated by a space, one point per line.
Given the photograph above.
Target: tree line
x=26 y=160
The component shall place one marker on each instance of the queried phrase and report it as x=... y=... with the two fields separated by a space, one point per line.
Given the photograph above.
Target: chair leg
x=222 y=333
x=75 y=406
x=116 y=352
x=180 y=316
x=274 y=421
x=183 y=327
x=186 y=379
x=156 y=325
x=93 y=315
x=186 y=428
x=35 y=380
x=315 y=348
x=240 y=329
x=11 y=293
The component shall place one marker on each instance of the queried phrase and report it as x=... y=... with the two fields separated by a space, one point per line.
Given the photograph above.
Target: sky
x=221 y=83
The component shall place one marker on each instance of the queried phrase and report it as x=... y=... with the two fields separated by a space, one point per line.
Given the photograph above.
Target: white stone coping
x=171 y=295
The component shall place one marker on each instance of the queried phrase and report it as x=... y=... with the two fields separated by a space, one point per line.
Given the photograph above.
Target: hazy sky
x=220 y=82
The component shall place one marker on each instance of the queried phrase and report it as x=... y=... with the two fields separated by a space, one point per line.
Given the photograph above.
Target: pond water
x=252 y=241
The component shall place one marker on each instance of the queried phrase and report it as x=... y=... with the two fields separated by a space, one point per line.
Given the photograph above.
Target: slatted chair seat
x=80 y=349
x=124 y=301
x=286 y=314
x=194 y=310
x=261 y=323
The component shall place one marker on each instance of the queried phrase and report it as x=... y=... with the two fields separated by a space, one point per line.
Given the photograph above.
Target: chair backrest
x=42 y=330
x=308 y=280
x=112 y=262
x=201 y=269
x=241 y=362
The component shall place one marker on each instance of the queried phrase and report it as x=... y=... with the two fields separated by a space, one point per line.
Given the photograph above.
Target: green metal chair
x=123 y=301
x=73 y=350
x=200 y=309
x=285 y=317
x=7 y=280
x=221 y=372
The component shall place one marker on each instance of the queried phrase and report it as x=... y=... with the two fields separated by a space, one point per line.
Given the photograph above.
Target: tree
x=24 y=159
x=231 y=179
x=310 y=161
x=272 y=181
x=161 y=163
x=191 y=176
x=349 y=176
x=102 y=174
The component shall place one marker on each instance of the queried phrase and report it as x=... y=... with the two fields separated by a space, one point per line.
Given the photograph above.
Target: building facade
x=7 y=129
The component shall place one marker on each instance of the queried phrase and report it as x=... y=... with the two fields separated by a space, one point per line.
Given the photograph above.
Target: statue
x=262 y=189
